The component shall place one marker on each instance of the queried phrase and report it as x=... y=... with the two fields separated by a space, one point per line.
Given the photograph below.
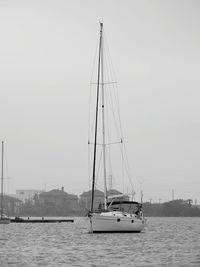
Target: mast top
x=101 y=26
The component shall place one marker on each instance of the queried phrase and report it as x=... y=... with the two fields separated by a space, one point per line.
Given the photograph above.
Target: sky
x=46 y=56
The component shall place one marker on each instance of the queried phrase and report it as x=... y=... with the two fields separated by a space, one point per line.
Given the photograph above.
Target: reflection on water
x=165 y=242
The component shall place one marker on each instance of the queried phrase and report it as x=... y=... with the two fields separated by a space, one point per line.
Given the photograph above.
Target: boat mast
x=2 y=180
x=96 y=119
x=103 y=122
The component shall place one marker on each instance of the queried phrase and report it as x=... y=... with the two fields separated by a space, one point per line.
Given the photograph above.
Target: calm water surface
x=165 y=242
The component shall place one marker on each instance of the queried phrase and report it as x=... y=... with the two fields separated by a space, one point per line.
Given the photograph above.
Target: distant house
x=85 y=198
x=58 y=202
x=11 y=205
x=112 y=192
x=118 y=195
x=27 y=194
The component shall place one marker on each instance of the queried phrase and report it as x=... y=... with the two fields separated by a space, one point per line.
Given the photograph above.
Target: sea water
x=164 y=242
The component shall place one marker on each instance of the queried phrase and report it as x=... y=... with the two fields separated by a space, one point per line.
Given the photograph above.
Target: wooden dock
x=39 y=220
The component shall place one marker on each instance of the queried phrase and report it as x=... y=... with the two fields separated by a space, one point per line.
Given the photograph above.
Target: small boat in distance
x=117 y=213
x=4 y=219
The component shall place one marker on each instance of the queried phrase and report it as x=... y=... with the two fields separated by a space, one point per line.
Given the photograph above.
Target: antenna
x=172 y=194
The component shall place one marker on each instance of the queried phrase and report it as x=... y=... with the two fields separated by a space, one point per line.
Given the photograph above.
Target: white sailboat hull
x=115 y=222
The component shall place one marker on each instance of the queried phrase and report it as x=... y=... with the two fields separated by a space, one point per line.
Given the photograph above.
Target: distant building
x=85 y=198
x=11 y=205
x=59 y=201
x=27 y=194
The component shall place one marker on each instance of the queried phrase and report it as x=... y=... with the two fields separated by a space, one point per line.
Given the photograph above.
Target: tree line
x=174 y=208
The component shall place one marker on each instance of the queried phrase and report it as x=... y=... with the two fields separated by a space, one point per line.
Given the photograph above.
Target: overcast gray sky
x=46 y=55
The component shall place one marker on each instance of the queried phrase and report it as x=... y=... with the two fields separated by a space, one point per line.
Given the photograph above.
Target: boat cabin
x=131 y=207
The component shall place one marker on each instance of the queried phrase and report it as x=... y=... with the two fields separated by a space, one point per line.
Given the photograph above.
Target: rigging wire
x=99 y=166
x=108 y=137
x=115 y=93
x=89 y=169
x=112 y=111
x=89 y=113
x=90 y=93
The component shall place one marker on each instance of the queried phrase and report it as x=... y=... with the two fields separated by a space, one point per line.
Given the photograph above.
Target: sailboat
x=4 y=219
x=117 y=213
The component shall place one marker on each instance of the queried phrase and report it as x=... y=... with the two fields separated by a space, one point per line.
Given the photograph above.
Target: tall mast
x=103 y=122
x=2 y=180
x=96 y=118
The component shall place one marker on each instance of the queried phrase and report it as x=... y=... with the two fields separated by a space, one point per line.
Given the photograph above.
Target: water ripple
x=165 y=242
